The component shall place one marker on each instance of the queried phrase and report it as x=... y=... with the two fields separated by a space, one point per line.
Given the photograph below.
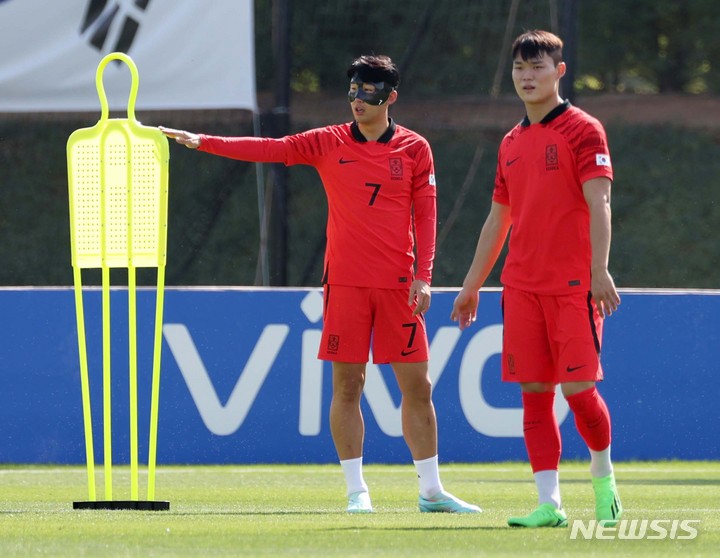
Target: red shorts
x=355 y=317
x=553 y=339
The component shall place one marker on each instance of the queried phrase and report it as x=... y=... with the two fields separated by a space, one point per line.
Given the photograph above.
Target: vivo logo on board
x=224 y=419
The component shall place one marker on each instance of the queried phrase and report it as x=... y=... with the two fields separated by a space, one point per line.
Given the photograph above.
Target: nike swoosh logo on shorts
x=573 y=368
x=408 y=353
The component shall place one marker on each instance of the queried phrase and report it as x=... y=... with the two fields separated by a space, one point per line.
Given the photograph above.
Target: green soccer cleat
x=359 y=502
x=444 y=502
x=608 y=508
x=546 y=515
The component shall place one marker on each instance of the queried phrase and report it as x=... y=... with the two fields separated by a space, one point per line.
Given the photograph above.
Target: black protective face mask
x=377 y=97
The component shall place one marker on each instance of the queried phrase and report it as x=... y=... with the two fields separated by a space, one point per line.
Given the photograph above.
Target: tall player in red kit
x=552 y=187
x=380 y=185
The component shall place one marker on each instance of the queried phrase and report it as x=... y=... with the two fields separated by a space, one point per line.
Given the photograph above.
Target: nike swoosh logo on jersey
x=346 y=161
x=511 y=161
x=573 y=368
x=407 y=353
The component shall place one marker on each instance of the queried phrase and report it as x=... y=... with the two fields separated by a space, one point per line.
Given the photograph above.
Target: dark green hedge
x=666 y=208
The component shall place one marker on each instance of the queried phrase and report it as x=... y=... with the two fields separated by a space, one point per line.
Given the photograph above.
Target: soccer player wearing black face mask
x=379 y=179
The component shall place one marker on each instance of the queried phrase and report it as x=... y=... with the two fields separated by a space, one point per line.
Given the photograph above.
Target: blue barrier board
x=241 y=382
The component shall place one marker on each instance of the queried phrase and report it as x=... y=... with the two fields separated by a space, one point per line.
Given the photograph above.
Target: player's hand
x=420 y=296
x=188 y=139
x=604 y=293
x=465 y=307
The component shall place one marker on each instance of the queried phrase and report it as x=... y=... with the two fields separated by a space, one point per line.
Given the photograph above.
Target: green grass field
x=288 y=510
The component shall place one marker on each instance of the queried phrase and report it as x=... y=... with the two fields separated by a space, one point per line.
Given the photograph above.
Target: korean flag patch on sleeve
x=602 y=160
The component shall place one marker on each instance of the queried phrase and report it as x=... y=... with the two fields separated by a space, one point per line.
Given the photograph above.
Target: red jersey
x=372 y=188
x=540 y=172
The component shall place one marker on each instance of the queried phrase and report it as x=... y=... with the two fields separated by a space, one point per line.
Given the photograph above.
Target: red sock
x=541 y=432
x=591 y=418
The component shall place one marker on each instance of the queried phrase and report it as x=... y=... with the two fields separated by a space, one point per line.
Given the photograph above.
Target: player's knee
x=417 y=391
x=348 y=389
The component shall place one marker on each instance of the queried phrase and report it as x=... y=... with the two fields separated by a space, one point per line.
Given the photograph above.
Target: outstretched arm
x=241 y=148
x=490 y=243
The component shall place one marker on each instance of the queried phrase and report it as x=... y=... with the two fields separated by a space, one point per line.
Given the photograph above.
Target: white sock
x=548 y=487
x=352 y=469
x=428 y=476
x=600 y=464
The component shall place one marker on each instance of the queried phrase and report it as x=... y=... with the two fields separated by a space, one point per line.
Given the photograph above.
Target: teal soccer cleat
x=359 y=502
x=445 y=502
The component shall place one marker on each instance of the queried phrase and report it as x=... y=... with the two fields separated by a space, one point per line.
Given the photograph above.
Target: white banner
x=190 y=54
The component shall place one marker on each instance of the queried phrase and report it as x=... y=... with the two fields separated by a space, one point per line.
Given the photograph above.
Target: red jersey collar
x=550 y=116
x=385 y=138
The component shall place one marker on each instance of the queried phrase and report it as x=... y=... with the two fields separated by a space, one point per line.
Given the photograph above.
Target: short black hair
x=532 y=44
x=372 y=68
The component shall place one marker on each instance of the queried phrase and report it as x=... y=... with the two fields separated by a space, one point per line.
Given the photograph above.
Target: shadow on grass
x=415 y=528
x=620 y=478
